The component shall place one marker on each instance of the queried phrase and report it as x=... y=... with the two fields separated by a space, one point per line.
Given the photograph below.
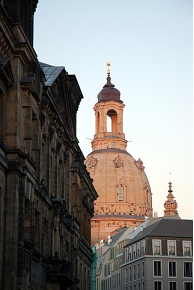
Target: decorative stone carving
x=58 y=147
x=118 y=162
x=139 y=164
x=92 y=162
x=51 y=133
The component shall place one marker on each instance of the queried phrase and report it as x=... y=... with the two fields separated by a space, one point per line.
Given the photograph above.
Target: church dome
x=121 y=183
x=109 y=92
x=124 y=194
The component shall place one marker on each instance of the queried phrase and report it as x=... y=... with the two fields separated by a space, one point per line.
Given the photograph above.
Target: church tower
x=170 y=204
x=124 y=192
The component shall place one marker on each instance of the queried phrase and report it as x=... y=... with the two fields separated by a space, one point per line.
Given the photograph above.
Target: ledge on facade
x=85 y=248
x=6 y=71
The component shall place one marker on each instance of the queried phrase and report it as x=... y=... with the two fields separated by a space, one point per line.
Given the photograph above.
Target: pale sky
x=149 y=45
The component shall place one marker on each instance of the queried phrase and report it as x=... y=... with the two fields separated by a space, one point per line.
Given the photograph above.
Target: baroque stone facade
x=46 y=193
x=125 y=197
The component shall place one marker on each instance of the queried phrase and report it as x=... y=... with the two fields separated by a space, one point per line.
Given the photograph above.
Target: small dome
x=109 y=92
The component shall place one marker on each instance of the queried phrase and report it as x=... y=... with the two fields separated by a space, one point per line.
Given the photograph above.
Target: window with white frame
x=157 y=268
x=134 y=251
x=172 y=285
x=138 y=249
x=188 y=285
x=130 y=253
x=142 y=247
x=157 y=285
x=134 y=272
x=172 y=248
x=143 y=269
x=188 y=272
x=126 y=275
x=187 y=248
x=172 y=269
x=138 y=271
x=130 y=274
x=126 y=255
x=156 y=244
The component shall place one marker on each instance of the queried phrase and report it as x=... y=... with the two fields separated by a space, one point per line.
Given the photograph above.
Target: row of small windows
x=137 y=271
x=172 y=285
x=172 y=269
x=137 y=250
x=134 y=273
x=172 y=251
x=112 y=266
x=111 y=282
x=115 y=281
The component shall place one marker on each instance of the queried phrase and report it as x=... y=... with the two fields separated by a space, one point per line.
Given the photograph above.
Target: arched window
x=120 y=193
x=113 y=115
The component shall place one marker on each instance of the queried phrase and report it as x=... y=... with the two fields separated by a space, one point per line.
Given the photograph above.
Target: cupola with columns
x=109 y=106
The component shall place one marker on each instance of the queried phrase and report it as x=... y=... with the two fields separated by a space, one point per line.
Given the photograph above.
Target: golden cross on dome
x=108 y=70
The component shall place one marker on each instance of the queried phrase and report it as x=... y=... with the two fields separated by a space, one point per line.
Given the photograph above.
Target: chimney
x=109 y=240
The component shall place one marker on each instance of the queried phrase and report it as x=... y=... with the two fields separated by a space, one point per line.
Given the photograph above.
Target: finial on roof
x=170 y=187
x=108 y=70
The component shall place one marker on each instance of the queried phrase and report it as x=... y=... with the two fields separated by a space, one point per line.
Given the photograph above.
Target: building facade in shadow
x=46 y=193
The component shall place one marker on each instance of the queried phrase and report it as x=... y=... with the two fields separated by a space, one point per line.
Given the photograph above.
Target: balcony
x=58 y=272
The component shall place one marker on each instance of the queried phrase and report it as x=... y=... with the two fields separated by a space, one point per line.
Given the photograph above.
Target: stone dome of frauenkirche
x=125 y=197
x=120 y=182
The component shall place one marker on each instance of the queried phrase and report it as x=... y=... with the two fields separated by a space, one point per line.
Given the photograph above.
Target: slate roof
x=51 y=72
x=166 y=228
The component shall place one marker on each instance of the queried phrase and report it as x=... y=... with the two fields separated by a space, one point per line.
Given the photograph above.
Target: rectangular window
x=134 y=272
x=157 y=268
x=172 y=286
x=130 y=276
x=138 y=271
x=134 y=251
x=126 y=255
x=172 y=269
x=188 y=269
x=187 y=248
x=143 y=247
x=126 y=275
x=142 y=269
x=138 y=250
x=188 y=285
x=157 y=285
x=156 y=247
x=171 y=248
